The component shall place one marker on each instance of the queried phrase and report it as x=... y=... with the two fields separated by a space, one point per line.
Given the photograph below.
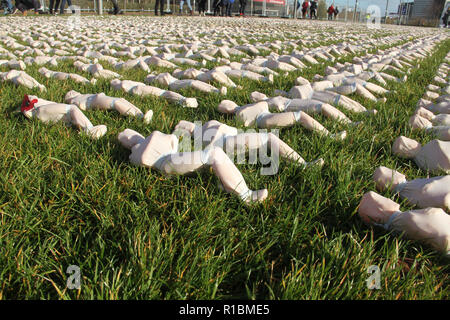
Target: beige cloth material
x=434 y=156
x=430 y=225
x=101 y=101
x=48 y=112
x=141 y=89
x=64 y=76
x=21 y=78
x=159 y=151
x=228 y=138
x=426 y=192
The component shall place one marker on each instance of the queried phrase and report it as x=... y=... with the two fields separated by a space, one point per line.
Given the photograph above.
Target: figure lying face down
x=100 y=101
x=141 y=89
x=442 y=132
x=174 y=84
x=64 y=76
x=426 y=192
x=430 y=225
x=160 y=151
x=21 y=78
x=434 y=156
x=96 y=70
x=304 y=90
x=48 y=112
x=259 y=114
x=309 y=106
x=217 y=134
x=205 y=76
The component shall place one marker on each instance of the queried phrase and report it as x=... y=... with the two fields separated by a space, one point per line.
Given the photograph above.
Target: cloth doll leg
x=363 y=92
x=375 y=88
x=249 y=141
x=129 y=138
x=331 y=112
x=79 y=120
x=230 y=177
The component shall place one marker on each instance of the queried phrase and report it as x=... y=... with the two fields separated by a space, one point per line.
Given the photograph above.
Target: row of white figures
x=71 y=111
x=160 y=151
x=430 y=224
x=433 y=110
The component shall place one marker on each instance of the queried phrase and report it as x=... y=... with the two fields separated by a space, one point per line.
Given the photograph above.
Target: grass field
x=135 y=234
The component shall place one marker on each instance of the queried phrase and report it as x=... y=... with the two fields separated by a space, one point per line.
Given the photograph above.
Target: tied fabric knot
x=27 y=104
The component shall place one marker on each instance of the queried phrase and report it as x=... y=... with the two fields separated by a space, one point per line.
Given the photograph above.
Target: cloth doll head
x=405 y=147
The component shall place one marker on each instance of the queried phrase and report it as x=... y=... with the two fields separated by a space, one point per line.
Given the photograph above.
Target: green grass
x=136 y=234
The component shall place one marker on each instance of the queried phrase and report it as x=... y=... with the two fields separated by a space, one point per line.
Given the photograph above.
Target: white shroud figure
x=440 y=107
x=442 y=132
x=430 y=225
x=160 y=151
x=48 y=111
x=141 y=89
x=64 y=76
x=308 y=106
x=434 y=156
x=21 y=78
x=306 y=91
x=174 y=84
x=101 y=101
x=208 y=76
x=215 y=133
x=96 y=70
x=426 y=192
x=259 y=114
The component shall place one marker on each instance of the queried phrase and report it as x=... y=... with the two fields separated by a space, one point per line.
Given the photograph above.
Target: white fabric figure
x=174 y=84
x=48 y=111
x=160 y=151
x=436 y=108
x=259 y=114
x=204 y=76
x=141 y=89
x=13 y=64
x=248 y=74
x=96 y=70
x=306 y=91
x=64 y=76
x=430 y=225
x=21 y=78
x=427 y=192
x=308 y=106
x=434 y=156
x=131 y=64
x=103 y=102
x=441 y=132
x=215 y=133
x=436 y=120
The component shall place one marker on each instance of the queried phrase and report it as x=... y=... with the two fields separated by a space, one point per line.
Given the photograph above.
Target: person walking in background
x=161 y=7
x=305 y=6
x=313 y=9
x=216 y=7
x=63 y=4
x=242 y=4
x=202 y=7
x=229 y=6
x=9 y=7
x=54 y=5
x=335 y=13
x=445 y=17
x=189 y=6
x=330 y=12
x=25 y=5
x=116 y=7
